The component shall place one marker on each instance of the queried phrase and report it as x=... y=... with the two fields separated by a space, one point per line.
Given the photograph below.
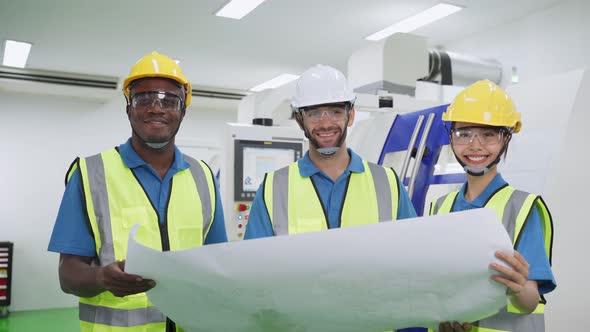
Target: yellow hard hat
x=484 y=102
x=157 y=65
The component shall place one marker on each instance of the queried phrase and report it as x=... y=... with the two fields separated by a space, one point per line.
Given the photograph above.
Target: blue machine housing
x=398 y=140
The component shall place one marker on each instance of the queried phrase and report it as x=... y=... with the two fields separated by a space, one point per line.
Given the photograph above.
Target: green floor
x=55 y=320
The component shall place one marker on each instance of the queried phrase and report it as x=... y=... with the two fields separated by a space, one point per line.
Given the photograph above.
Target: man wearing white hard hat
x=331 y=186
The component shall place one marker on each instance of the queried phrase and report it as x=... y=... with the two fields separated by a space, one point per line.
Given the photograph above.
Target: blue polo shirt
x=71 y=232
x=532 y=241
x=331 y=193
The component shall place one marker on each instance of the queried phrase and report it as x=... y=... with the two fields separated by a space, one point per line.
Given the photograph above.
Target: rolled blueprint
x=390 y=275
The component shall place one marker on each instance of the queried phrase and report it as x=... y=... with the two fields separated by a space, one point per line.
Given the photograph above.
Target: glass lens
x=485 y=135
x=334 y=113
x=165 y=100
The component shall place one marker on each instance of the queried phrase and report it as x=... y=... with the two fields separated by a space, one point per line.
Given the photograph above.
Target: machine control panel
x=242 y=216
x=251 y=152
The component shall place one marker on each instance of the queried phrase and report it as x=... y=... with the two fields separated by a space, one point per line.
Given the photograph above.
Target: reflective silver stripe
x=204 y=193
x=439 y=203
x=383 y=190
x=280 y=192
x=504 y=320
x=511 y=211
x=508 y=321
x=100 y=200
x=120 y=317
x=280 y=201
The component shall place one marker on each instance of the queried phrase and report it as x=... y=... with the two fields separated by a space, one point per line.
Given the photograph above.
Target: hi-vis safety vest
x=294 y=205
x=513 y=208
x=115 y=201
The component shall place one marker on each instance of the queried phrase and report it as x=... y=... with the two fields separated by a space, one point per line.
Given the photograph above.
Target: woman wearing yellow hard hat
x=482 y=120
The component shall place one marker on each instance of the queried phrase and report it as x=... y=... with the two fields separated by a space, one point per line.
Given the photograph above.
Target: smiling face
x=156 y=121
x=326 y=124
x=477 y=145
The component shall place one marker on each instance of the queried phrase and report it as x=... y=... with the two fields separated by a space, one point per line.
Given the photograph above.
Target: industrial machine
x=402 y=88
x=250 y=152
x=5 y=276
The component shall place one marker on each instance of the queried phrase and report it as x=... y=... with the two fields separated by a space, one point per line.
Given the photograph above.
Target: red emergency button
x=242 y=207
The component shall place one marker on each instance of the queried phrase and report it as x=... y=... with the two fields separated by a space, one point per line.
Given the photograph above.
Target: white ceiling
x=280 y=36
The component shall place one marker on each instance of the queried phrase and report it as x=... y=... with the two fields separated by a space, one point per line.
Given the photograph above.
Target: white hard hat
x=321 y=85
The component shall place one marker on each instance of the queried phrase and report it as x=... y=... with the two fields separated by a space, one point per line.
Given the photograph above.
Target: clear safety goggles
x=485 y=135
x=335 y=113
x=165 y=100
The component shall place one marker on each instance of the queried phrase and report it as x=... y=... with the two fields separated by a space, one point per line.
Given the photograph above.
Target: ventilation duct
x=449 y=68
x=54 y=77
x=395 y=64
x=88 y=82
x=218 y=94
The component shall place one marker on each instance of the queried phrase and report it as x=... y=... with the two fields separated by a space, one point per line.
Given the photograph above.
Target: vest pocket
x=148 y=234
x=186 y=236
x=133 y=215
x=307 y=225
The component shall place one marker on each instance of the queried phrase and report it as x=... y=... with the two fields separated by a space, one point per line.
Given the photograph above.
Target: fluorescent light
x=16 y=53
x=417 y=21
x=275 y=82
x=238 y=8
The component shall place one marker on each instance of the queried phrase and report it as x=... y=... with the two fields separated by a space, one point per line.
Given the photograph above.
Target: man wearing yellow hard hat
x=482 y=120
x=147 y=180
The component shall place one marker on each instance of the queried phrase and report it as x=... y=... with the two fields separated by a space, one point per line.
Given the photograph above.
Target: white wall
x=568 y=187
x=550 y=41
x=545 y=158
x=41 y=135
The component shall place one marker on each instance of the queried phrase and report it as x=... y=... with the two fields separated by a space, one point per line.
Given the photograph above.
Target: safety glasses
x=334 y=113
x=485 y=135
x=164 y=100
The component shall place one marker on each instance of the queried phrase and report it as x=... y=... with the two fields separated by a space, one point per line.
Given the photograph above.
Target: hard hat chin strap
x=329 y=150
x=157 y=146
x=479 y=171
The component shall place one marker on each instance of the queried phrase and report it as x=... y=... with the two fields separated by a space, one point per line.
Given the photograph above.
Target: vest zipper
x=164 y=225
x=321 y=203
x=344 y=200
x=165 y=241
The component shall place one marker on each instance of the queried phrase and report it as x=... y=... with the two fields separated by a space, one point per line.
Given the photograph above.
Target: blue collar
x=497 y=183
x=307 y=168
x=133 y=160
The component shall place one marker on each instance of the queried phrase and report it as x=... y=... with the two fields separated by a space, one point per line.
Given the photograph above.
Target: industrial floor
x=55 y=320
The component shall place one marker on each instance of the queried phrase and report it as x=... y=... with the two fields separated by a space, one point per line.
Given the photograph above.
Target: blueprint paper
x=390 y=275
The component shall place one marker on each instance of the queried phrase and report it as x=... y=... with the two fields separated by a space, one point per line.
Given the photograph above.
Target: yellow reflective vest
x=115 y=201
x=294 y=205
x=513 y=208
